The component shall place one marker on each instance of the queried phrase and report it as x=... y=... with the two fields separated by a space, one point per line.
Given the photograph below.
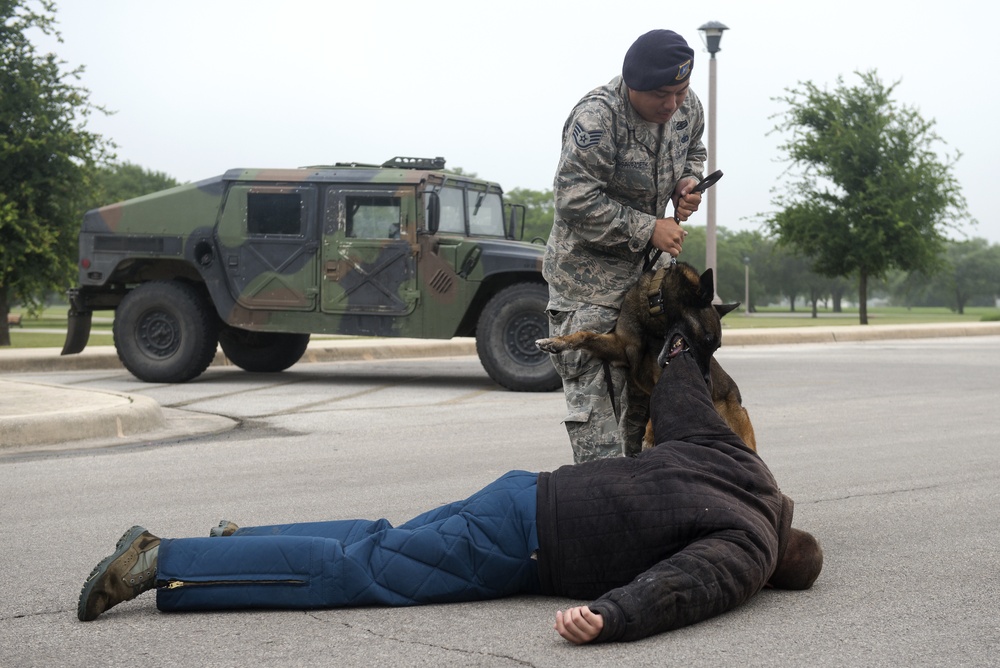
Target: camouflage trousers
x=598 y=420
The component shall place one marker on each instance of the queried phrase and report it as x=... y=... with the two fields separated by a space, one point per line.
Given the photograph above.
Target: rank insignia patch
x=586 y=138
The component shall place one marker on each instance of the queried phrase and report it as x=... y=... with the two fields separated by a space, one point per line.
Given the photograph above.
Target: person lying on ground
x=684 y=531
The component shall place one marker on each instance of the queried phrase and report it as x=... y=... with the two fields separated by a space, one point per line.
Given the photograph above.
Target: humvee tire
x=508 y=327
x=262 y=352
x=165 y=332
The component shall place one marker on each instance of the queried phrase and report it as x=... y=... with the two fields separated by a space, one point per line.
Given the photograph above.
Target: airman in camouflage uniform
x=629 y=149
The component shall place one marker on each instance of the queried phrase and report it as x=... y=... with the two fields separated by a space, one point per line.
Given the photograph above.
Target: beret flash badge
x=683 y=70
x=585 y=139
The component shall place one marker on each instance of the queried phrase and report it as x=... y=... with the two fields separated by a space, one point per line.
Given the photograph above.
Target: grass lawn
x=53 y=321
x=888 y=315
x=48 y=330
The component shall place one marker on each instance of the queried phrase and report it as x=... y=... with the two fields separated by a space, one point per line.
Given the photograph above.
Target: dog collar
x=655 y=293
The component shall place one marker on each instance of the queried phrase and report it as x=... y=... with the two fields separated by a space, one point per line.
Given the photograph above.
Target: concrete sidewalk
x=36 y=415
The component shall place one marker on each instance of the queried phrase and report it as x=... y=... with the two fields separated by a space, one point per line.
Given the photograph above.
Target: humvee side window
x=485 y=214
x=373 y=217
x=452 y=214
x=274 y=213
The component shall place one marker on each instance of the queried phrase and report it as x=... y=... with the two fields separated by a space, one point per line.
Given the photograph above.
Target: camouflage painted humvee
x=256 y=260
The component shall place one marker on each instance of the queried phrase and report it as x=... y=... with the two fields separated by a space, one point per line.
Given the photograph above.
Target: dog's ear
x=723 y=309
x=706 y=287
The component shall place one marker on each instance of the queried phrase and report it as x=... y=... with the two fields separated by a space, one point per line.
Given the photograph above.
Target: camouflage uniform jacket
x=614 y=180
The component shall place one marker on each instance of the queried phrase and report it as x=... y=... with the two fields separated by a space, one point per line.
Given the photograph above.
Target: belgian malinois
x=665 y=306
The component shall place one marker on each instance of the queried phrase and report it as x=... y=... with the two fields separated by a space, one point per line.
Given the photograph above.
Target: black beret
x=657 y=59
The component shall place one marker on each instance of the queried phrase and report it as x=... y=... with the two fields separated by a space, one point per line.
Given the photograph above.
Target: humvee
x=256 y=260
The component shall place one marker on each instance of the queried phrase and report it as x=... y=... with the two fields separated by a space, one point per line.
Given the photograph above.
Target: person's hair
x=800 y=564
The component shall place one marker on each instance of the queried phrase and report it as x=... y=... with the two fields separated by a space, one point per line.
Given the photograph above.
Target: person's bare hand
x=579 y=625
x=668 y=236
x=685 y=201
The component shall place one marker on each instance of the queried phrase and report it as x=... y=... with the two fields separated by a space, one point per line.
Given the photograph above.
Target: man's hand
x=685 y=201
x=579 y=625
x=668 y=236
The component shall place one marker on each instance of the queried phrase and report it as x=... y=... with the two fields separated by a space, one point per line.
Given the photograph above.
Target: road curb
x=55 y=413
x=21 y=360
x=849 y=333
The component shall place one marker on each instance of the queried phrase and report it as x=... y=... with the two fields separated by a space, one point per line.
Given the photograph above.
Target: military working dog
x=666 y=308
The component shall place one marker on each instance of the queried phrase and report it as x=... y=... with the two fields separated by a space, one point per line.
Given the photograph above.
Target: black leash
x=611 y=391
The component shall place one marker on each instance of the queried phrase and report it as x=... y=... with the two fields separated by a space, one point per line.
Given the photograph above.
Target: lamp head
x=712 y=35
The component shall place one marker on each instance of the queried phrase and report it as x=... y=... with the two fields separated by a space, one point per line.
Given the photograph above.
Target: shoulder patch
x=586 y=138
x=681 y=125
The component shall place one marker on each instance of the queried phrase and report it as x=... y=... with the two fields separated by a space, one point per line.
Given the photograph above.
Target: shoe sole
x=123 y=544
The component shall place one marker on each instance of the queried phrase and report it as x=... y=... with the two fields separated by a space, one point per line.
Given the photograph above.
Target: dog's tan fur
x=685 y=301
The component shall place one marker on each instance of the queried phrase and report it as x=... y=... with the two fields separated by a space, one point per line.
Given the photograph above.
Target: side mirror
x=516 y=213
x=433 y=217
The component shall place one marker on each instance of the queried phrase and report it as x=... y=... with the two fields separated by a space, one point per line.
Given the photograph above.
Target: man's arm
x=709 y=577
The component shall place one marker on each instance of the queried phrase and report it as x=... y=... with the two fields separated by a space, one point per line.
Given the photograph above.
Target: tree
x=46 y=156
x=795 y=275
x=969 y=273
x=539 y=214
x=121 y=181
x=733 y=250
x=872 y=193
x=972 y=269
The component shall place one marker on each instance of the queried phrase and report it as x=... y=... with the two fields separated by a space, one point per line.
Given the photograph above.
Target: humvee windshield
x=471 y=212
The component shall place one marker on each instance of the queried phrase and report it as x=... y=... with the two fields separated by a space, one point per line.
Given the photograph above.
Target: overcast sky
x=202 y=86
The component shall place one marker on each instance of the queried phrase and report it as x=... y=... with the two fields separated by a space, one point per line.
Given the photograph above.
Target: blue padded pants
x=470 y=550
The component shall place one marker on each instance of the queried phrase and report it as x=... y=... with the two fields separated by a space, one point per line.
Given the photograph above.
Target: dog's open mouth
x=671 y=349
x=677 y=346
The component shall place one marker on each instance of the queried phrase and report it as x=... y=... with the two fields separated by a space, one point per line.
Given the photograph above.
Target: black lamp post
x=712 y=35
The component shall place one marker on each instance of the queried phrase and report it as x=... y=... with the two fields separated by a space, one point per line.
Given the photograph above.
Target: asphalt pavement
x=888 y=447
x=36 y=415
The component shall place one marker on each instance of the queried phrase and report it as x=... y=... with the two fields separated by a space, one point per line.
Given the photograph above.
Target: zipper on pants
x=177 y=584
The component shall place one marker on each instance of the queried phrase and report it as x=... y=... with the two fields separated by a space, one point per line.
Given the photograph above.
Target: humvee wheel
x=262 y=352
x=165 y=332
x=508 y=327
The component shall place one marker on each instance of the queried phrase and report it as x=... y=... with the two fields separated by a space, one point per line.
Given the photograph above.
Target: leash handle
x=700 y=187
x=704 y=185
x=707 y=182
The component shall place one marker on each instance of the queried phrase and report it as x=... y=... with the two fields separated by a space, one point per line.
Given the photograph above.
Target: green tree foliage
x=732 y=251
x=540 y=208
x=121 y=181
x=969 y=274
x=872 y=194
x=46 y=156
x=972 y=269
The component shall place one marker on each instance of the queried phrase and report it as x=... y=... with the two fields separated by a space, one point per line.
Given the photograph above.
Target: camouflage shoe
x=225 y=528
x=124 y=575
